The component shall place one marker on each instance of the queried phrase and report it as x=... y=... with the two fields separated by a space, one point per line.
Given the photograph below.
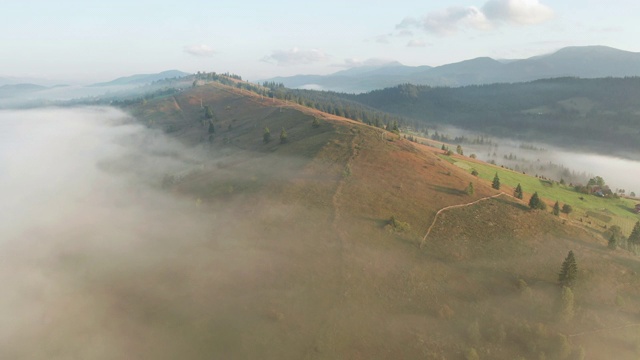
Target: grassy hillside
x=592 y=211
x=304 y=263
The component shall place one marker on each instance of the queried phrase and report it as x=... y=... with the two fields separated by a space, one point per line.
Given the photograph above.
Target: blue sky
x=86 y=41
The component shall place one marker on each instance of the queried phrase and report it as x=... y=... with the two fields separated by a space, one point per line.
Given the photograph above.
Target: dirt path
x=424 y=239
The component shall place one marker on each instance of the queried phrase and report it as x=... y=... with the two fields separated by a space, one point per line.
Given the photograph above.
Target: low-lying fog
x=553 y=162
x=93 y=254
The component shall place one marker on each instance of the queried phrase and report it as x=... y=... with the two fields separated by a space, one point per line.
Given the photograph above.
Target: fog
x=99 y=262
x=620 y=172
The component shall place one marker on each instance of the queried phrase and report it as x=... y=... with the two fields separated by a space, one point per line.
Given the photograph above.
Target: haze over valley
x=447 y=181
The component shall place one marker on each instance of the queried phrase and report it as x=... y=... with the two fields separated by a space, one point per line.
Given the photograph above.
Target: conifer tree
x=518 y=192
x=208 y=114
x=556 y=209
x=315 y=123
x=266 y=136
x=496 y=182
x=613 y=242
x=569 y=271
x=469 y=190
x=283 y=136
x=634 y=238
x=535 y=202
x=459 y=150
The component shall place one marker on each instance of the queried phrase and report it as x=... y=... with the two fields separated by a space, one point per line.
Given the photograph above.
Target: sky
x=87 y=41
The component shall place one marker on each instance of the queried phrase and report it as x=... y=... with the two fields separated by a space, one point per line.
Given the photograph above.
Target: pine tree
x=496 y=182
x=266 y=136
x=569 y=271
x=208 y=114
x=535 y=202
x=634 y=238
x=283 y=136
x=556 y=209
x=633 y=241
x=459 y=150
x=443 y=148
x=469 y=190
x=518 y=192
x=613 y=242
x=315 y=123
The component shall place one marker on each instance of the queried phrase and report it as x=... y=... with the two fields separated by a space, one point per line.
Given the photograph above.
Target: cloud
x=201 y=50
x=416 y=43
x=521 y=12
x=295 y=56
x=494 y=13
x=382 y=39
x=354 y=62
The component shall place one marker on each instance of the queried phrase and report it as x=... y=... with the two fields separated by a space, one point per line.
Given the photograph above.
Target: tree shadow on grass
x=380 y=223
x=516 y=205
x=450 y=191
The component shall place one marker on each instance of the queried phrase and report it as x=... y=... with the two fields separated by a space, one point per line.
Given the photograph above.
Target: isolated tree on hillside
x=569 y=271
x=556 y=209
x=469 y=190
x=475 y=172
x=496 y=182
x=443 y=148
x=266 y=135
x=517 y=193
x=567 y=209
x=459 y=150
x=613 y=242
x=283 y=136
x=634 y=238
x=208 y=114
x=212 y=129
x=315 y=123
x=535 y=202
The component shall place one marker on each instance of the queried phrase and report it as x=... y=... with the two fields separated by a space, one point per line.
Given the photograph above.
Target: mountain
x=601 y=115
x=354 y=80
x=8 y=91
x=336 y=244
x=143 y=79
x=583 y=62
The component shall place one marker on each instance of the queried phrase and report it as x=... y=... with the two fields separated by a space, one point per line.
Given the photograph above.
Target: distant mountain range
x=143 y=79
x=583 y=62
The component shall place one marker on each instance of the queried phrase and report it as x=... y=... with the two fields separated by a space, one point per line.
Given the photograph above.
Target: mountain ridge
x=574 y=61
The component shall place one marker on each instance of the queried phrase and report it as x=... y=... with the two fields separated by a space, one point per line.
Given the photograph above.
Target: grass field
x=599 y=211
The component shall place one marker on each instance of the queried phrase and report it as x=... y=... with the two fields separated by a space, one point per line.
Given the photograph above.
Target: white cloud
x=416 y=43
x=521 y=12
x=201 y=50
x=494 y=12
x=295 y=56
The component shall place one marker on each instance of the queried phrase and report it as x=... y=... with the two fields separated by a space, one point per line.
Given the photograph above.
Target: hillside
x=583 y=62
x=599 y=114
x=305 y=263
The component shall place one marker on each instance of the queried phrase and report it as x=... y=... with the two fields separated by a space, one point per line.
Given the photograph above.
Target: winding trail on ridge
x=424 y=239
